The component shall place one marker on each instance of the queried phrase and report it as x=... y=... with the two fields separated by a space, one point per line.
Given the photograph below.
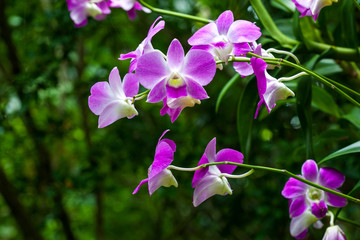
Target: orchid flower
x=224 y=37
x=211 y=180
x=130 y=6
x=158 y=174
x=80 y=9
x=115 y=100
x=145 y=46
x=308 y=203
x=334 y=233
x=178 y=76
x=311 y=7
x=270 y=89
x=174 y=106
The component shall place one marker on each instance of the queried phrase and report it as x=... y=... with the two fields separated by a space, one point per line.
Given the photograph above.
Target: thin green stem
x=303 y=69
x=349 y=221
x=270 y=169
x=175 y=14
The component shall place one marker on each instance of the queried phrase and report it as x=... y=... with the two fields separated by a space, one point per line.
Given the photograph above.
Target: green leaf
x=245 y=115
x=353 y=116
x=225 y=89
x=303 y=107
x=353 y=148
x=327 y=67
x=355 y=188
x=322 y=100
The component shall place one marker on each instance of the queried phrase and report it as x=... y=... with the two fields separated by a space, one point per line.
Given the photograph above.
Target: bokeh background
x=63 y=178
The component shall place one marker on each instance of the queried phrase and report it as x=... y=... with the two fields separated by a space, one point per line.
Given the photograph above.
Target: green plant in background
x=73 y=166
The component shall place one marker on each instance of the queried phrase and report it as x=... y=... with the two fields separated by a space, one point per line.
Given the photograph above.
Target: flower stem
x=301 y=68
x=237 y=176
x=175 y=14
x=270 y=169
x=349 y=221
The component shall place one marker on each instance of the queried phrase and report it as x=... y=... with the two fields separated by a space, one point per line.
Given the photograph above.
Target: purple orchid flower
x=174 y=106
x=130 y=6
x=270 y=89
x=210 y=180
x=311 y=7
x=224 y=37
x=158 y=174
x=178 y=76
x=145 y=46
x=309 y=204
x=81 y=9
x=115 y=100
x=334 y=233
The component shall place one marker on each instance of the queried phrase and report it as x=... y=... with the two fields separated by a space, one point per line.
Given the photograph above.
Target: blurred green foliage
x=50 y=145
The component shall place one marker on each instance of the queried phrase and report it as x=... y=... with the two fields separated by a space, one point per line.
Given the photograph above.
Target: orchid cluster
x=177 y=80
x=98 y=9
x=207 y=181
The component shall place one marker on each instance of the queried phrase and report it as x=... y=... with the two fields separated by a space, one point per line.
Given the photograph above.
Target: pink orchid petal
x=209 y=186
x=335 y=201
x=243 y=68
x=309 y=170
x=241 y=48
x=319 y=209
x=297 y=206
x=293 y=188
x=195 y=90
x=151 y=68
x=158 y=93
x=196 y=60
x=228 y=155
x=115 y=83
x=130 y=85
x=204 y=35
x=100 y=97
x=140 y=184
x=199 y=174
x=331 y=178
x=300 y=223
x=114 y=111
x=175 y=55
x=224 y=21
x=210 y=150
x=243 y=31
x=176 y=92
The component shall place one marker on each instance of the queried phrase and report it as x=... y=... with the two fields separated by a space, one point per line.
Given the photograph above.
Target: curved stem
x=284 y=79
x=237 y=176
x=175 y=14
x=270 y=169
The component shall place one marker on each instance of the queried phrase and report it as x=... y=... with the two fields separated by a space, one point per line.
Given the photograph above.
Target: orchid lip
x=175 y=80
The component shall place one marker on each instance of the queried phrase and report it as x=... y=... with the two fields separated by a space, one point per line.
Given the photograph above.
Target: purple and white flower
x=145 y=46
x=225 y=37
x=158 y=174
x=211 y=180
x=115 y=100
x=270 y=89
x=311 y=7
x=334 y=233
x=130 y=6
x=307 y=203
x=178 y=76
x=81 y=9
